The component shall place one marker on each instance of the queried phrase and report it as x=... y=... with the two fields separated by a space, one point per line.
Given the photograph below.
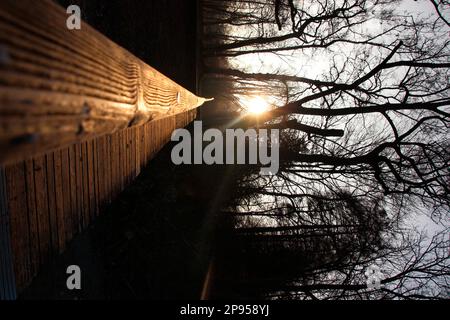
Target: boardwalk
x=80 y=118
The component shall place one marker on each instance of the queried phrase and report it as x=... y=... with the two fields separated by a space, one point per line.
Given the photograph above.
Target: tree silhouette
x=364 y=142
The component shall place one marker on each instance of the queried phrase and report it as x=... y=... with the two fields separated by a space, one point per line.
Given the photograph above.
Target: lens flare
x=255 y=105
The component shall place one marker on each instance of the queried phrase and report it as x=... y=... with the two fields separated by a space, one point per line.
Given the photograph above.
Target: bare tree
x=372 y=124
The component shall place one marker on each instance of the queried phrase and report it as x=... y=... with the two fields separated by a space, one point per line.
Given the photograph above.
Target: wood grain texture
x=79 y=185
x=60 y=221
x=42 y=208
x=20 y=232
x=65 y=174
x=73 y=190
x=52 y=198
x=7 y=276
x=85 y=185
x=61 y=86
x=32 y=217
x=52 y=209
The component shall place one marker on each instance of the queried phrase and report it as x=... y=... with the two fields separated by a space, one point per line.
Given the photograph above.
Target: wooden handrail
x=61 y=86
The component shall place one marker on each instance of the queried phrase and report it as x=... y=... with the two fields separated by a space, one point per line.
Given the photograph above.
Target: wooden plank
x=32 y=217
x=179 y=120
x=137 y=153
x=170 y=127
x=73 y=190
x=133 y=153
x=142 y=147
x=20 y=235
x=97 y=177
x=119 y=160
x=102 y=172
x=123 y=159
x=105 y=160
x=100 y=166
x=108 y=169
x=130 y=154
x=90 y=184
x=116 y=163
x=155 y=137
x=167 y=129
x=79 y=185
x=152 y=138
x=105 y=170
x=60 y=222
x=52 y=210
x=113 y=164
x=161 y=133
x=140 y=150
x=61 y=87
x=147 y=141
x=85 y=187
x=158 y=135
x=42 y=209
x=119 y=164
x=65 y=173
x=127 y=157
x=7 y=276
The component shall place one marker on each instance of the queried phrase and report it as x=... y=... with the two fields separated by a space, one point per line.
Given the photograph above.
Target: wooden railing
x=79 y=118
x=61 y=86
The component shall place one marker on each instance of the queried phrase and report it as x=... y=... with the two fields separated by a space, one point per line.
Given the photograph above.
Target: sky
x=294 y=63
x=316 y=65
x=268 y=62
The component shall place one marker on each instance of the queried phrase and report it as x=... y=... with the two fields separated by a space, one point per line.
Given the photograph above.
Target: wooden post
x=61 y=86
x=7 y=277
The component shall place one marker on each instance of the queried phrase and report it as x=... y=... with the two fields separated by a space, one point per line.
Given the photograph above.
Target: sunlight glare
x=255 y=105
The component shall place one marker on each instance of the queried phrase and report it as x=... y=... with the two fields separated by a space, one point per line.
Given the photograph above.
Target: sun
x=255 y=105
